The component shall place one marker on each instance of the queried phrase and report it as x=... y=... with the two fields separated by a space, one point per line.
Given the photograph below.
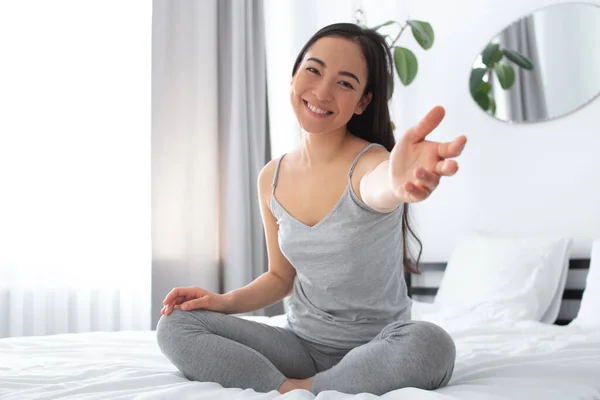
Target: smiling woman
x=322 y=89
x=335 y=217
x=347 y=59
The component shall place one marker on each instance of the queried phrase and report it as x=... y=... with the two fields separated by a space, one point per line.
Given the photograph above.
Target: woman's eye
x=346 y=84
x=313 y=70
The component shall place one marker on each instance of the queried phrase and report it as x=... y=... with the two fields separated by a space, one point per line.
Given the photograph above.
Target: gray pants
x=208 y=346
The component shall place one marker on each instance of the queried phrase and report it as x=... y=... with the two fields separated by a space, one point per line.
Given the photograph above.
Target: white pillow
x=589 y=310
x=507 y=277
x=554 y=308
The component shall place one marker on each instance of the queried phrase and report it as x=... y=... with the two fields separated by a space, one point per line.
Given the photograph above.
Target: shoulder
x=370 y=160
x=265 y=177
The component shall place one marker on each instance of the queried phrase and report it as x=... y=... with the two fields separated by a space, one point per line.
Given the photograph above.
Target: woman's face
x=328 y=85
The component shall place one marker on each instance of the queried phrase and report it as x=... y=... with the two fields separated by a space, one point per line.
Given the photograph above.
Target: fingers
x=446 y=167
x=452 y=149
x=426 y=179
x=185 y=303
x=173 y=294
x=168 y=308
x=426 y=182
x=179 y=295
x=417 y=193
x=431 y=120
x=194 y=304
x=184 y=292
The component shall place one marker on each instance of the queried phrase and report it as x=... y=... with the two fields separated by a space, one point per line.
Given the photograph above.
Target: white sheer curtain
x=75 y=242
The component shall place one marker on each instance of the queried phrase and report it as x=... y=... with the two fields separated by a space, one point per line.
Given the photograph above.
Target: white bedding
x=495 y=360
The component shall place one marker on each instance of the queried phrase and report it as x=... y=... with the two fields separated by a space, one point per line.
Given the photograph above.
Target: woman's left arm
x=412 y=171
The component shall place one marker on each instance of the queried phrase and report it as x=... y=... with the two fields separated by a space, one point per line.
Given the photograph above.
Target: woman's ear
x=363 y=103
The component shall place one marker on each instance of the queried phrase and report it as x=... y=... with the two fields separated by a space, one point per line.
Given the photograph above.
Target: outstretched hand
x=416 y=164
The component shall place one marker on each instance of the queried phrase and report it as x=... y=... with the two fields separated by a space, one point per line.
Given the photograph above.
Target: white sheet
x=495 y=360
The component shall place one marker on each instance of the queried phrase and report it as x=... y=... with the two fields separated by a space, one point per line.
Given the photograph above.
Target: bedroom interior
x=511 y=244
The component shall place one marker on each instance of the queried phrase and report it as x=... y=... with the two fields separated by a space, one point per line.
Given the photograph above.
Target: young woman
x=335 y=214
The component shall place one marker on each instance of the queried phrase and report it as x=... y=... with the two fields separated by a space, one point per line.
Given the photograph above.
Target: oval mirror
x=541 y=67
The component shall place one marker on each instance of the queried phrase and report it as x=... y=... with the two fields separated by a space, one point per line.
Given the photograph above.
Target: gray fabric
x=526 y=100
x=349 y=280
x=208 y=346
x=209 y=142
x=184 y=147
x=243 y=142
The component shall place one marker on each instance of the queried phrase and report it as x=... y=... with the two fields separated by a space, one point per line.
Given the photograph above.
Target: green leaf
x=492 y=105
x=506 y=75
x=484 y=87
x=518 y=59
x=476 y=78
x=489 y=53
x=406 y=64
x=364 y=26
x=423 y=33
x=382 y=25
x=393 y=126
x=497 y=56
x=483 y=100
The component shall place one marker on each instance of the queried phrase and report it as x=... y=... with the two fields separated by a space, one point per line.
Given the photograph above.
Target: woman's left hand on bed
x=416 y=164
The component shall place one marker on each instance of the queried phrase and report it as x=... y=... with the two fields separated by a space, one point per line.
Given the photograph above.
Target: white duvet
x=496 y=359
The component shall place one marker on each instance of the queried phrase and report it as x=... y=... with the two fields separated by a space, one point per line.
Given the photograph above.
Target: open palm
x=416 y=164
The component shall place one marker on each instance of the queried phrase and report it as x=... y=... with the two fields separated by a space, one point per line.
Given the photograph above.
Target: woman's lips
x=316 y=114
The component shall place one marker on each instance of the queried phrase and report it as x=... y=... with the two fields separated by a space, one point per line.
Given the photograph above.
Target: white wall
x=529 y=179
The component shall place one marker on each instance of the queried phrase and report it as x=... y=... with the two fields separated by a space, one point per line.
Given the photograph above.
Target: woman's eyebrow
x=345 y=73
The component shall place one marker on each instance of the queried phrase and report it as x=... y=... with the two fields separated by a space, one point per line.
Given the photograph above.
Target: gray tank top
x=349 y=280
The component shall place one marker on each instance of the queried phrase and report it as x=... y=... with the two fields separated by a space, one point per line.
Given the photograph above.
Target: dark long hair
x=374 y=124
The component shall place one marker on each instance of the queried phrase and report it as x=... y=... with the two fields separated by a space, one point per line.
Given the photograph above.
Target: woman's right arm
x=275 y=284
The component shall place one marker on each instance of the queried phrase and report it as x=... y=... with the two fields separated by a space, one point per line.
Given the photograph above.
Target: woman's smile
x=315 y=111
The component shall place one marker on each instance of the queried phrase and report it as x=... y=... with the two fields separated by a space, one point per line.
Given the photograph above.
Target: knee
x=173 y=329
x=168 y=329
x=439 y=353
x=436 y=337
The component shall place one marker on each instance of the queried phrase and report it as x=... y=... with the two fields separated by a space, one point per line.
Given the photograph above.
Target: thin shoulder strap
x=276 y=174
x=360 y=154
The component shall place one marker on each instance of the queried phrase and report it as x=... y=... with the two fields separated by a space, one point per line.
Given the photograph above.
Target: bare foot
x=302 y=383
x=287 y=386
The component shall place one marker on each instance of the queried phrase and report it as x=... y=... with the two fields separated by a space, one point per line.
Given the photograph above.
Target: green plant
x=481 y=90
x=405 y=61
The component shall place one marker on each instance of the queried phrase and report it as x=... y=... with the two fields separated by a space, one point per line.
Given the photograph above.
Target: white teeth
x=315 y=109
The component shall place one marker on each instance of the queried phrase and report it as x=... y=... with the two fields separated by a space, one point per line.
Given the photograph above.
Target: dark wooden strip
x=562 y=322
x=575 y=263
x=573 y=294
x=437 y=266
x=424 y=291
x=568 y=294
x=579 y=263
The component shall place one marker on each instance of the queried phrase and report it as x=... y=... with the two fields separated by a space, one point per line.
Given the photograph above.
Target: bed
x=521 y=360
x=496 y=359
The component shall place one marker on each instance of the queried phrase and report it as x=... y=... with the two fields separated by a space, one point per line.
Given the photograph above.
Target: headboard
x=568 y=294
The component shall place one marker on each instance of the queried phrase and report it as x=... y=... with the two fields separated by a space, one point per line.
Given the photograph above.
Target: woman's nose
x=323 y=90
